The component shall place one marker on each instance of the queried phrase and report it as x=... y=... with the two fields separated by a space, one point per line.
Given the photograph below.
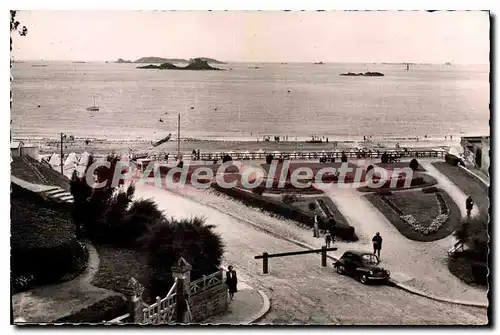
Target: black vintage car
x=361 y=265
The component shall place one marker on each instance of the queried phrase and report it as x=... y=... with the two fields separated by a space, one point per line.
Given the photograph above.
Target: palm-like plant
x=190 y=238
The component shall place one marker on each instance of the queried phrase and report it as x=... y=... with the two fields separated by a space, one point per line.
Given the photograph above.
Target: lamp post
x=63 y=137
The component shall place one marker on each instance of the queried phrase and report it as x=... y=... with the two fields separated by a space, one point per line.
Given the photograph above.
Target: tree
x=343 y=158
x=226 y=158
x=192 y=239
x=269 y=159
x=414 y=164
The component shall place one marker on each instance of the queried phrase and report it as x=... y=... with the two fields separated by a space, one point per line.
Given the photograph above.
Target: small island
x=121 y=61
x=196 y=64
x=161 y=60
x=366 y=74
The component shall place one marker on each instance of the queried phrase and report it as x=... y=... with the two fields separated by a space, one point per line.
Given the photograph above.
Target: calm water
x=428 y=100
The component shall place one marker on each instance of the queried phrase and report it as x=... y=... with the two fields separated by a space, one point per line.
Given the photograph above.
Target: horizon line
x=254 y=61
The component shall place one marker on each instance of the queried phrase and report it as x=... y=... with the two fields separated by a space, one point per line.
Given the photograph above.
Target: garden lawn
x=118 y=265
x=424 y=207
x=466 y=183
x=44 y=246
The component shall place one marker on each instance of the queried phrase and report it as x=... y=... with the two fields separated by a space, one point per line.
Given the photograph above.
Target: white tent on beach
x=55 y=160
x=84 y=159
x=71 y=161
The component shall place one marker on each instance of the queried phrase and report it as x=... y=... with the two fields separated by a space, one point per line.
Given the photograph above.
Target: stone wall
x=209 y=302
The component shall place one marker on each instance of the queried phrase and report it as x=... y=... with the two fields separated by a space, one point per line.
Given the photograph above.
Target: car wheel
x=363 y=278
x=340 y=269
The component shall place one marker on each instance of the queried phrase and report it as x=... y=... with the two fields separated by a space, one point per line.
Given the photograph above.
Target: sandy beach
x=103 y=146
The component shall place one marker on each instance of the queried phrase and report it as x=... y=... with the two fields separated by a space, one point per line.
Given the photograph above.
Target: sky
x=267 y=36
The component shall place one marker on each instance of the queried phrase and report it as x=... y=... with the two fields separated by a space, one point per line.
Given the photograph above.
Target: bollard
x=265 y=263
x=323 y=256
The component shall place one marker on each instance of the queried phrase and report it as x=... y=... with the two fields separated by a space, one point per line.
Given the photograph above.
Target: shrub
x=104 y=310
x=259 y=190
x=282 y=209
x=289 y=198
x=192 y=239
x=431 y=189
x=383 y=191
x=104 y=213
x=414 y=164
x=384 y=158
x=343 y=158
x=451 y=159
x=269 y=159
x=226 y=158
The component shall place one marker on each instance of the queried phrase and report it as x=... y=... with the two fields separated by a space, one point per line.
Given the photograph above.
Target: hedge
x=431 y=189
x=44 y=246
x=451 y=159
x=104 y=310
x=343 y=230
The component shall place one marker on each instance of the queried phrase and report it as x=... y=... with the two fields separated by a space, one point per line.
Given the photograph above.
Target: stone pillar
x=133 y=293
x=181 y=271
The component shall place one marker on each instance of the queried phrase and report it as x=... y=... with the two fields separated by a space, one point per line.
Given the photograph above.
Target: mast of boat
x=179 y=136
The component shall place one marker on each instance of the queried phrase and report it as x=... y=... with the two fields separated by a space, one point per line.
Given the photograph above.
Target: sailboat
x=93 y=107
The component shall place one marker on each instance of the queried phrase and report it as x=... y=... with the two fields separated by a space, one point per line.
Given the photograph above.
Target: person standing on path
x=328 y=239
x=469 y=204
x=231 y=281
x=377 y=244
x=316 y=226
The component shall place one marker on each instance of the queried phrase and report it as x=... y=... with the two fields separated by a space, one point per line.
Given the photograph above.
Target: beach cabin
x=30 y=150
x=19 y=148
x=477 y=151
x=15 y=148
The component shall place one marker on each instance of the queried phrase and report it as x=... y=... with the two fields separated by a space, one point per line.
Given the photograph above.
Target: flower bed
x=412 y=214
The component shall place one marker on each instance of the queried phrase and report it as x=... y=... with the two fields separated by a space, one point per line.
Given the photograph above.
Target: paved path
x=247 y=305
x=300 y=290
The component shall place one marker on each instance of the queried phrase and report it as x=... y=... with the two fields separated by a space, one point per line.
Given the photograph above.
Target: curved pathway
x=50 y=303
x=300 y=290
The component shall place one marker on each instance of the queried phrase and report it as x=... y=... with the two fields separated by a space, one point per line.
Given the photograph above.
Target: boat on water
x=315 y=139
x=160 y=142
x=93 y=108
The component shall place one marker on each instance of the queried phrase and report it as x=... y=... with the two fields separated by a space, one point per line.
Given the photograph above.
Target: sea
x=249 y=101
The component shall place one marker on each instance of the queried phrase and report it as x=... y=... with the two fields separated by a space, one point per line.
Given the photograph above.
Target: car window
x=370 y=259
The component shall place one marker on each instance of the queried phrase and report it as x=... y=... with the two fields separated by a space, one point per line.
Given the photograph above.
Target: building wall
x=30 y=151
x=15 y=152
x=209 y=302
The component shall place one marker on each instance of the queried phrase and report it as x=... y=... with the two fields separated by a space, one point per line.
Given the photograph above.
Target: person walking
x=316 y=226
x=469 y=204
x=328 y=239
x=231 y=281
x=377 y=244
